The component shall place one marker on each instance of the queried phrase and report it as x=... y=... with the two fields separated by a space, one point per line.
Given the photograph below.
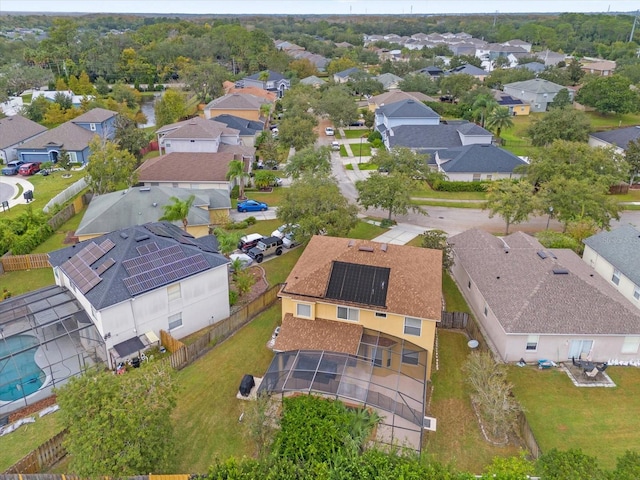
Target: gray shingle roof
x=273 y=76
x=313 y=80
x=478 y=159
x=69 y=136
x=468 y=69
x=112 y=290
x=196 y=127
x=140 y=205
x=242 y=125
x=536 y=85
x=237 y=101
x=95 y=115
x=619 y=137
x=16 y=129
x=347 y=72
x=621 y=248
x=434 y=137
x=408 y=108
x=526 y=296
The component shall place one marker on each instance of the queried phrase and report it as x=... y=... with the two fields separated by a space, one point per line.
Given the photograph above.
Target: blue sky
x=356 y=7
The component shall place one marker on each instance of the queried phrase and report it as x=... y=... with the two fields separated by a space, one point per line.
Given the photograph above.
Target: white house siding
x=222 y=185
x=625 y=286
x=596 y=142
x=468 y=177
x=476 y=140
x=186 y=145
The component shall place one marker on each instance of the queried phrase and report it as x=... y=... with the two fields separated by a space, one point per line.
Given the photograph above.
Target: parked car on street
x=29 y=168
x=249 y=241
x=265 y=247
x=252 y=206
x=12 y=167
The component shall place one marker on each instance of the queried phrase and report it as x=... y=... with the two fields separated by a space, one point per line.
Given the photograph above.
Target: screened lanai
x=388 y=374
x=46 y=338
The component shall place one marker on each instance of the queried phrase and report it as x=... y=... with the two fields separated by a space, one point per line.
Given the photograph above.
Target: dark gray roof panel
x=621 y=248
x=620 y=136
x=407 y=109
x=479 y=159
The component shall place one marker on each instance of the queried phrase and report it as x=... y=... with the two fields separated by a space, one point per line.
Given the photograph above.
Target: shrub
x=235 y=192
x=386 y=223
x=447 y=186
x=373 y=136
x=251 y=220
x=237 y=225
x=551 y=239
x=233 y=297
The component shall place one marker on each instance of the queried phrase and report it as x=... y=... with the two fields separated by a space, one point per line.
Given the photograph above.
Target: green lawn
x=206 y=417
x=363 y=150
x=16 y=445
x=366 y=231
x=45 y=188
x=362 y=166
x=425 y=191
x=601 y=122
x=458 y=440
x=24 y=281
x=441 y=203
x=56 y=241
x=603 y=422
x=356 y=133
x=343 y=151
x=453 y=298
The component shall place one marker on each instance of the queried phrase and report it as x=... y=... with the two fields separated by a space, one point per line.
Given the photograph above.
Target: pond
x=147 y=107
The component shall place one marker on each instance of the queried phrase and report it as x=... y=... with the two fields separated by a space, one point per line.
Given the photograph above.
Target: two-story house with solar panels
x=137 y=281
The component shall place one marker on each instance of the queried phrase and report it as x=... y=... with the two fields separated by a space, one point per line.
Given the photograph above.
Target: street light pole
x=549 y=217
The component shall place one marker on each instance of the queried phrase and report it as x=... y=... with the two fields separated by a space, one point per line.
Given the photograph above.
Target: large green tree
x=610 y=95
x=417 y=82
x=205 y=79
x=499 y=119
x=457 y=85
x=236 y=172
x=170 y=108
x=513 y=201
x=388 y=192
x=298 y=130
x=178 y=210
x=120 y=425
x=339 y=105
x=317 y=206
x=309 y=161
x=482 y=107
x=404 y=161
x=109 y=167
x=559 y=124
x=130 y=137
x=632 y=156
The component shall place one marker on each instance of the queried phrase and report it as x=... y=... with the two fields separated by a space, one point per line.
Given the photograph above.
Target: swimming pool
x=20 y=375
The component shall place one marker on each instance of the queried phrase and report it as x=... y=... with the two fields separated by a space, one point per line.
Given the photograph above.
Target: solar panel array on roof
x=152 y=260
x=357 y=283
x=105 y=266
x=166 y=273
x=149 y=247
x=81 y=273
x=93 y=251
x=167 y=231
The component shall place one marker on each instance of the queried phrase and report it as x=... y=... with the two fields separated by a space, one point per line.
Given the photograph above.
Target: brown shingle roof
x=526 y=296
x=95 y=115
x=319 y=334
x=16 y=129
x=186 y=167
x=229 y=87
x=415 y=280
x=69 y=136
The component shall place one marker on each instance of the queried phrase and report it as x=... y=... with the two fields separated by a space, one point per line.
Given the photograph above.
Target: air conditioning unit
x=429 y=423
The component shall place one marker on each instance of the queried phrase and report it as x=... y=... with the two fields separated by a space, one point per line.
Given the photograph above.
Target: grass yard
x=425 y=191
x=602 y=422
x=366 y=231
x=458 y=440
x=363 y=150
x=443 y=203
x=206 y=417
x=357 y=133
x=24 y=281
x=343 y=151
x=56 y=241
x=45 y=188
x=454 y=300
x=601 y=122
x=16 y=445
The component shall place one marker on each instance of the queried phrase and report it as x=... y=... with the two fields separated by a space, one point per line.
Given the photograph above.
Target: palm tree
x=484 y=104
x=499 y=118
x=227 y=241
x=236 y=172
x=178 y=210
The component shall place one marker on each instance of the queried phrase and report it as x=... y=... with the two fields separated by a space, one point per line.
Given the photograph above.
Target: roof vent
x=155 y=204
x=384 y=247
x=560 y=271
x=140 y=238
x=365 y=248
x=124 y=235
x=351 y=243
x=542 y=254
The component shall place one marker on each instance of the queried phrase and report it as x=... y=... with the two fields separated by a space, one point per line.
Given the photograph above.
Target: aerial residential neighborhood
x=320 y=244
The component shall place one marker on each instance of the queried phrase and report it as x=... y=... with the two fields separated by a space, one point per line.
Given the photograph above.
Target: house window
x=381 y=315
x=410 y=357
x=346 y=313
x=412 y=326
x=92 y=126
x=174 y=292
x=630 y=345
x=615 y=278
x=155 y=184
x=636 y=293
x=175 y=321
x=580 y=348
x=174 y=184
x=303 y=310
x=476 y=177
x=532 y=343
x=489 y=177
x=167 y=143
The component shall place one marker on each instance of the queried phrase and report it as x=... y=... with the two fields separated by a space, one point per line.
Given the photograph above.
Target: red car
x=29 y=168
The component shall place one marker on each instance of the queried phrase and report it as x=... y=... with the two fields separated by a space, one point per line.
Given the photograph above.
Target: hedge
x=446 y=186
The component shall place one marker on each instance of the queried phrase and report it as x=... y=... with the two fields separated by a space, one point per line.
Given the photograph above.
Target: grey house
x=430 y=138
x=615 y=256
x=618 y=138
x=537 y=92
x=248 y=129
x=270 y=81
x=536 y=303
x=477 y=162
x=404 y=112
x=15 y=131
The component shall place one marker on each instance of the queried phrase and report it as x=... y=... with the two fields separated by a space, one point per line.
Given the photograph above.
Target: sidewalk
x=13 y=181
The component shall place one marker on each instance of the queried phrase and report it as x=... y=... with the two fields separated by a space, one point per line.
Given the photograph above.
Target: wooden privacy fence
x=11 y=263
x=527 y=436
x=456 y=320
x=42 y=457
x=221 y=330
x=170 y=343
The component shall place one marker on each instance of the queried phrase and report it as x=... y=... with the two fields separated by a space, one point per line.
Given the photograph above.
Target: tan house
x=602 y=68
x=242 y=105
x=362 y=315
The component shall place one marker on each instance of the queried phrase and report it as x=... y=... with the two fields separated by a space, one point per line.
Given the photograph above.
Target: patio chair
x=592 y=373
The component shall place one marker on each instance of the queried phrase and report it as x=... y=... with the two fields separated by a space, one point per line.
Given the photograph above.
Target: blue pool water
x=20 y=375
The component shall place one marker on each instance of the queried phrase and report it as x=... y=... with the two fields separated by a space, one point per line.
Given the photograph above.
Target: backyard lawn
x=16 y=445
x=363 y=150
x=24 y=281
x=602 y=422
x=56 y=241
